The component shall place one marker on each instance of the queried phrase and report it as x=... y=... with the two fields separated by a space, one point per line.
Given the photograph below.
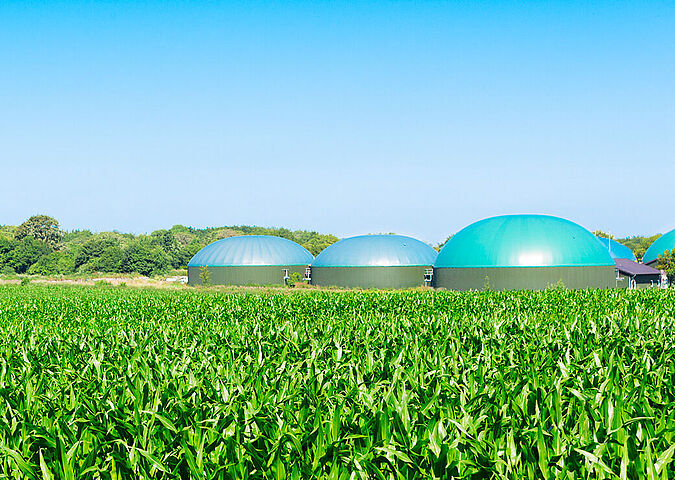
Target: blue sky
x=409 y=117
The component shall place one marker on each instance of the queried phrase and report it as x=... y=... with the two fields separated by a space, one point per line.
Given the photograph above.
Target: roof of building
x=633 y=268
x=616 y=249
x=251 y=250
x=376 y=251
x=523 y=241
x=659 y=247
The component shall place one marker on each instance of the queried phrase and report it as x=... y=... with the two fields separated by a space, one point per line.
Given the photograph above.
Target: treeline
x=39 y=247
x=638 y=244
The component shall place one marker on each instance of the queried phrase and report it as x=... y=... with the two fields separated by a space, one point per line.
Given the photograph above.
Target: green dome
x=523 y=241
x=616 y=249
x=659 y=247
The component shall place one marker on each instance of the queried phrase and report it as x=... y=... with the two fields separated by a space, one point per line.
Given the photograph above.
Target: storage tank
x=530 y=252
x=659 y=247
x=616 y=249
x=249 y=260
x=374 y=261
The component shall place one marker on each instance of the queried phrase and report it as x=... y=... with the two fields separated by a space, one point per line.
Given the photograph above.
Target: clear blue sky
x=414 y=118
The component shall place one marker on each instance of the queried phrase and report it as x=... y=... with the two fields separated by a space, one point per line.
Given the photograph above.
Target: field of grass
x=116 y=383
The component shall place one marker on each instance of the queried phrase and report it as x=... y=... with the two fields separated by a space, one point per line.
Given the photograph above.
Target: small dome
x=251 y=250
x=659 y=247
x=523 y=241
x=616 y=249
x=376 y=251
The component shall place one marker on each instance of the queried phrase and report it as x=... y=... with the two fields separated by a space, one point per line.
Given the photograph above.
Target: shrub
x=295 y=278
x=205 y=275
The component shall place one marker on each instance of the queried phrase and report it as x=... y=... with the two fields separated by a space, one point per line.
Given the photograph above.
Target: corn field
x=114 y=383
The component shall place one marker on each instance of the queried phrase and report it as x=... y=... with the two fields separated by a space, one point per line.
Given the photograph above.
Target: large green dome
x=659 y=247
x=523 y=241
x=616 y=249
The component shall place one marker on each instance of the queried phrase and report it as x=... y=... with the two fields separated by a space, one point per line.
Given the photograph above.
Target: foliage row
x=108 y=383
x=39 y=247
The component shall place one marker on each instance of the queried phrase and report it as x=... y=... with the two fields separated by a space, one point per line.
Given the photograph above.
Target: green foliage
x=46 y=265
x=667 y=262
x=25 y=253
x=7 y=232
x=40 y=227
x=132 y=383
x=204 y=275
x=6 y=270
x=113 y=252
x=638 y=244
x=294 y=278
x=100 y=253
x=144 y=258
x=440 y=246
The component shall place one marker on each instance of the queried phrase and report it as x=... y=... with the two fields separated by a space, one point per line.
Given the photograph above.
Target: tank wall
x=369 y=277
x=254 y=275
x=524 y=278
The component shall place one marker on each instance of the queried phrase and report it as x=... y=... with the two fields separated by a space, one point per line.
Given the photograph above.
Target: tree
x=40 y=227
x=141 y=257
x=100 y=253
x=667 y=262
x=6 y=247
x=441 y=245
x=638 y=244
x=27 y=252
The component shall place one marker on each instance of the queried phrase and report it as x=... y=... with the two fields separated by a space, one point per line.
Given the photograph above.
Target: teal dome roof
x=616 y=249
x=251 y=250
x=659 y=247
x=376 y=251
x=523 y=241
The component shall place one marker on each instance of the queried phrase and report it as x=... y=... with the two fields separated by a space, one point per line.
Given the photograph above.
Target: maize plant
x=113 y=383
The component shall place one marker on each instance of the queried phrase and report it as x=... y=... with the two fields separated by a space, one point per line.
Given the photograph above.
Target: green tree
x=638 y=244
x=48 y=264
x=141 y=257
x=27 y=252
x=40 y=227
x=441 y=245
x=6 y=247
x=101 y=253
x=667 y=262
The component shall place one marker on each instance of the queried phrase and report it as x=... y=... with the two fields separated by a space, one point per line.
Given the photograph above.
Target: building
x=531 y=252
x=658 y=248
x=248 y=260
x=636 y=275
x=616 y=249
x=374 y=261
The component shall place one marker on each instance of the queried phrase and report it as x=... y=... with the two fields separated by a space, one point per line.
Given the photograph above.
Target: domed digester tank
x=248 y=260
x=659 y=247
x=374 y=261
x=524 y=252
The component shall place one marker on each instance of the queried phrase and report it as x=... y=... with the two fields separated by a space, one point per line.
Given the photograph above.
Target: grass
x=108 y=383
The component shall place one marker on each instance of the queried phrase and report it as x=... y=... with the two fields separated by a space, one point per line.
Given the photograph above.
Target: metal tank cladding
x=659 y=247
x=523 y=252
x=374 y=261
x=249 y=260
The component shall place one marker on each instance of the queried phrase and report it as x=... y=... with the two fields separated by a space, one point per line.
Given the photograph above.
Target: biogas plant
x=509 y=252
